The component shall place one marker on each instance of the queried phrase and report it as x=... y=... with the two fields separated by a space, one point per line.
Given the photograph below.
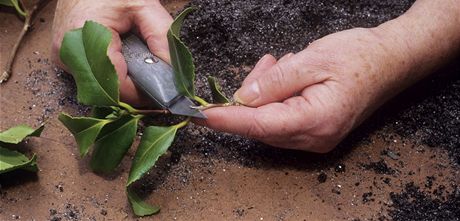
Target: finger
x=153 y=22
x=128 y=91
x=281 y=81
x=285 y=57
x=266 y=123
x=265 y=63
x=290 y=125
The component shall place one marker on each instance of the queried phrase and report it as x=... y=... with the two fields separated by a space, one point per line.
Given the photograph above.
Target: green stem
x=201 y=101
x=182 y=124
x=128 y=107
x=152 y=112
x=133 y=110
x=19 y=9
x=209 y=106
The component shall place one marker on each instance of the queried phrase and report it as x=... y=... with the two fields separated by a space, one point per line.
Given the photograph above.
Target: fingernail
x=247 y=94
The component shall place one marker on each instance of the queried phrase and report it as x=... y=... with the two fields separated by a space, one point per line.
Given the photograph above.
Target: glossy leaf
x=181 y=58
x=84 y=129
x=15 y=4
x=84 y=52
x=105 y=112
x=12 y=160
x=140 y=208
x=113 y=142
x=216 y=91
x=154 y=143
x=17 y=134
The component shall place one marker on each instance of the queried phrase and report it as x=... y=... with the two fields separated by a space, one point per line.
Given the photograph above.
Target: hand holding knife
x=155 y=77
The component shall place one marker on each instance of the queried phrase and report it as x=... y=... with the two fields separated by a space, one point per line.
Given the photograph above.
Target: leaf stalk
x=133 y=110
x=183 y=123
x=209 y=106
x=201 y=101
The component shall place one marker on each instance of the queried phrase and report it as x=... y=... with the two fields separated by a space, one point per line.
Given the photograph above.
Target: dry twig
x=27 y=21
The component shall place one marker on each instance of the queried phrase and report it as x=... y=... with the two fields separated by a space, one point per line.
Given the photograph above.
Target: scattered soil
x=231 y=35
x=415 y=204
x=400 y=165
x=379 y=167
x=431 y=113
x=238 y=33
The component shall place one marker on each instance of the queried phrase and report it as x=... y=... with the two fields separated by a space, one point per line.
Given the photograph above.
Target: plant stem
x=201 y=101
x=133 y=110
x=182 y=124
x=128 y=107
x=9 y=63
x=209 y=106
x=19 y=9
x=152 y=112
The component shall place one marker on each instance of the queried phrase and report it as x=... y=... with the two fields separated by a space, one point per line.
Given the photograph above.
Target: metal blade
x=155 y=77
x=150 y=74
x=183 y=106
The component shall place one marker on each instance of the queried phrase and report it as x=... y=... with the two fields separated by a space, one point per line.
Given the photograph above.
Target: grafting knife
x=155 y=77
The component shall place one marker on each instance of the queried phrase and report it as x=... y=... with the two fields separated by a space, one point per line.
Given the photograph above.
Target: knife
x=155 y=77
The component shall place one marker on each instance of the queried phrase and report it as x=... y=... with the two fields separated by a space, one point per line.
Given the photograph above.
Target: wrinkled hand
x=310 y=100
x=147 y=17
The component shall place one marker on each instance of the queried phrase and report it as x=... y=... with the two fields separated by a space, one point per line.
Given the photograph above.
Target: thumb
x=282 y=80
x=153 y=22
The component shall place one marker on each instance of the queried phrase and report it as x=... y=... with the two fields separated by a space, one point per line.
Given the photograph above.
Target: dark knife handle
x=150 y=74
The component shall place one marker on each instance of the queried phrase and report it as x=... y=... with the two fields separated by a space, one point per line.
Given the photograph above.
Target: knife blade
x=155 y=77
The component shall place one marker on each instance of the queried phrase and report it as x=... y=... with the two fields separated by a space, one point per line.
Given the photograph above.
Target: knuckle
x=138 y=4
x=133 y=5
x=278 y=75
x=277 y=78
x=324 y=62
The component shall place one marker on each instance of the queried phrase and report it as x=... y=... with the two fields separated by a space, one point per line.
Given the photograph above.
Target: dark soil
x=226 y=36
x=379 y=167
x=224 y=177
x=431 y=111
x=233 y=34
x=414 y=204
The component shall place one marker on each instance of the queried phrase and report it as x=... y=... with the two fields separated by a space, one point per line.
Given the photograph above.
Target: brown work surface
x=192 y=185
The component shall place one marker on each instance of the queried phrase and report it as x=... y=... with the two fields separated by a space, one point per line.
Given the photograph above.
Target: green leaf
x=113 y=142
x=216 y=91
x=16 y=134
x=12 y=160
x=141 y=208
x=15 y=4
x=154 y=143
x=84 y=52
x=84 y=129
x=8 y=2
x=106 y=112
x=181 y=58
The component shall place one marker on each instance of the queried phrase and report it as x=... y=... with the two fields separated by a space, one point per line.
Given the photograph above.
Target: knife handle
x=150 y=74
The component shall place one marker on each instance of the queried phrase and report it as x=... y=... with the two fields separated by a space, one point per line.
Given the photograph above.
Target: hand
x=313 y=99
x=148 y=18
